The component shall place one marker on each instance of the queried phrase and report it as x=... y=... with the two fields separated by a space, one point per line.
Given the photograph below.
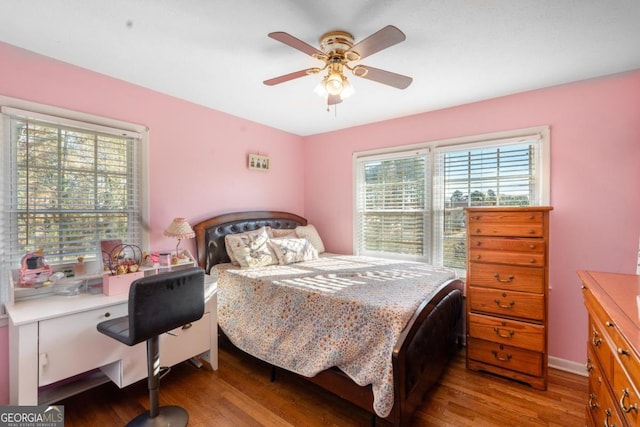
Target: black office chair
x=158 y=304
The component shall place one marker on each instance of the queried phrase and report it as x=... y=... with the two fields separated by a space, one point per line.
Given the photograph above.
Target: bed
x=427 y=336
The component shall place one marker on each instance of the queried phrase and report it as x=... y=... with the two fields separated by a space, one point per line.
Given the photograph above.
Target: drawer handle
x=511 y=303
x=607 y=413
x=592 y=401
x=626 y=409
x=475 y=218
x=595 y=339
x=532 y=231
x=623 y=352
x=502 y=359
x=509 y=333
x=187 y=326
x=507 y=280
x=609 y=323
x=532 y=246
x=532 y=261
x=589 y=365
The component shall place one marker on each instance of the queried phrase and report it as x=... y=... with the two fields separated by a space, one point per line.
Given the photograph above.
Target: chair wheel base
x=173 y=416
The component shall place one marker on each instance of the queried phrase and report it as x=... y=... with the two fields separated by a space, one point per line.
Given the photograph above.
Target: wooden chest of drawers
x=507 y=292
x=613 y=358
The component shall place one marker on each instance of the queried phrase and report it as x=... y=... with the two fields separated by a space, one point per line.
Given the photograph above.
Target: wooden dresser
x=613 y=348
x=507 y=292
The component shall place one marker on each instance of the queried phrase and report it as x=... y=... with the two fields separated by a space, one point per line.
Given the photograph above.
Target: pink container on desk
x=119 y=284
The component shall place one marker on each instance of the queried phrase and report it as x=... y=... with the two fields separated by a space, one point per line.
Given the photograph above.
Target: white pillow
x=251 y=248
x=228 y=237
x=310 y=232
x=290 y=250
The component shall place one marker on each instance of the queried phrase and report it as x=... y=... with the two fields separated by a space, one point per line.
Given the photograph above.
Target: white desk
x=56 y=351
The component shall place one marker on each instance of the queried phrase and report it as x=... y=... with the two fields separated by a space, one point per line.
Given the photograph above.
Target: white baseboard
x=568 y=366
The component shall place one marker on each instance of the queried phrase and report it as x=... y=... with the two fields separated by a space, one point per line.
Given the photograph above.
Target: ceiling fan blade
x=386 y=77
x=295 y=43
x=382 y=39
x=287 y=77
x=333 y=99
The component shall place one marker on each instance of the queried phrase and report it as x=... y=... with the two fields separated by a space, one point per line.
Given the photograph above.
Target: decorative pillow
x=310 y=232
x=227 y=246
x=251 y=248
x=283 y=232
x=269 y=230
x=290 y=250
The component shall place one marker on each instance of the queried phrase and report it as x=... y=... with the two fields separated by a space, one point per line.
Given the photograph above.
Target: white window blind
x=496 y=175
x=393 y=205
x=411 y=204
x=66 y=186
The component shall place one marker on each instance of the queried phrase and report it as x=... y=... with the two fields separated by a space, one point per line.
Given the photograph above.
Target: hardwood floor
x=240 y=394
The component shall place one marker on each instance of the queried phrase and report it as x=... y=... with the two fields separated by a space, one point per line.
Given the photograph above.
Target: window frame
x=91 y=122
x=434 y=255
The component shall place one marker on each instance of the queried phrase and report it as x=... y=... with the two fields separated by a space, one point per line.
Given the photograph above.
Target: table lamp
x=179 y=229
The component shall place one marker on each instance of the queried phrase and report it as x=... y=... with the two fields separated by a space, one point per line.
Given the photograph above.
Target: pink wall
x=595 y=140
x=595 y=173
x=197 y=156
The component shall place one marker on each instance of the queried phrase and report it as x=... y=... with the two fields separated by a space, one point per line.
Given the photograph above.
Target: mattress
x=334 y=311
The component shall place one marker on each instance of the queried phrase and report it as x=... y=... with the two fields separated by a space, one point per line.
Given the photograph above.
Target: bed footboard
x=422 y=352
x=420 y=356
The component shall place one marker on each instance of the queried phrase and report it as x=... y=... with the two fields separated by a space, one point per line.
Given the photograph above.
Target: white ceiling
x=216 y=53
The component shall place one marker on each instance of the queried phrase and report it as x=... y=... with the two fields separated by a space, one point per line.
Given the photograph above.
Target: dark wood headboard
x=210 y=232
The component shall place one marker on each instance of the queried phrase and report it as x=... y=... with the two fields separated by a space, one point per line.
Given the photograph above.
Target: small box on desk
x=119 y=284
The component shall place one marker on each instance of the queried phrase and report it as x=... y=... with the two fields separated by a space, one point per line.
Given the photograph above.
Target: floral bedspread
x=342 y=311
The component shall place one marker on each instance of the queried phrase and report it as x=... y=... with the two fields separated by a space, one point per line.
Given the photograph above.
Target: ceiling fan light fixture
x=334 y=84
x=320 y=89
x=338 y=51
x=347 y=88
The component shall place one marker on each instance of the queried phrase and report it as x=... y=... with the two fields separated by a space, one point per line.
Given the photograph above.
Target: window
x=393 y=204
x=410 y=202
x=68 y=184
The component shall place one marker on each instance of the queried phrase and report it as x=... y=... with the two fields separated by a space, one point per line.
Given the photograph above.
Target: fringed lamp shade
x=179 y=229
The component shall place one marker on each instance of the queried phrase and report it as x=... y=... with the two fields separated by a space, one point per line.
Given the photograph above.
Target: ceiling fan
x=339 y=51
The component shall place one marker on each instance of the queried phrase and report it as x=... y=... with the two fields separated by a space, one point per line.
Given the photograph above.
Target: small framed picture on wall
x=258 y=162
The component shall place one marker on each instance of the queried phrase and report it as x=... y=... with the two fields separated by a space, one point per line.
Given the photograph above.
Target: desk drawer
x=511 y=332
x=507 y=303
x=185 y=342
x=71 y=345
